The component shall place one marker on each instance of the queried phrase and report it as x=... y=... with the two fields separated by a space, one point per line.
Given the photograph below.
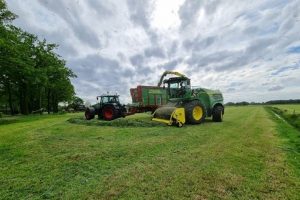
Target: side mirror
x=97 y=98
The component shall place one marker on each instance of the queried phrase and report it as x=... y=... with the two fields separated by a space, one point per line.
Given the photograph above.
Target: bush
x=8 y=121
x=62 y=112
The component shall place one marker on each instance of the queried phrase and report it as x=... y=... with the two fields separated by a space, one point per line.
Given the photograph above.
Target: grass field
x=248 y=156
x=291 y=108
x=290 y=113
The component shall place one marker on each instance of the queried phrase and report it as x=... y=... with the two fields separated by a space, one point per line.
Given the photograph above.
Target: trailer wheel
x=195 y=112
x=89 y=113
x=218 y=114
x=109 y=113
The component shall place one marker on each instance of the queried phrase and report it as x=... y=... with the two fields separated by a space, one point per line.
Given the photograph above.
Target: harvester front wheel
x=195 y=112
x=109 y=113
x=218 y=114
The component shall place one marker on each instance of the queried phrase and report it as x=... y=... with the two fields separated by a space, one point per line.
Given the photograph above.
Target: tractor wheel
x=109 y=113
x=89 y=113
x=218 y=114
x=195 y=112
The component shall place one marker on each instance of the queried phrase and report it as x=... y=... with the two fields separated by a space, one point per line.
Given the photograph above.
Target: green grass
x=290 y=113
x=140 y=120
x=7 y=119
x=291 y=139
x=290 y=108
x=242 y=158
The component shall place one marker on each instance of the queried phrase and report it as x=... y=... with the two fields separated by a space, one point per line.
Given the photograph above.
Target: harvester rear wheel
x=109 y=113
x=89 y=113
x=218 y=114
x=195 y=112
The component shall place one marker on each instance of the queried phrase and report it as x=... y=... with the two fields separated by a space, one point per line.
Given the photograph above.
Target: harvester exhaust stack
x=170 y=116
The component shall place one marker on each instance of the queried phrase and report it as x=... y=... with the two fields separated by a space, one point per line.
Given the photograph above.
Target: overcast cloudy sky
x=249 y=49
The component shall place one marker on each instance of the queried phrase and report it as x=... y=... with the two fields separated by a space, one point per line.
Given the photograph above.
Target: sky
x=250 y=50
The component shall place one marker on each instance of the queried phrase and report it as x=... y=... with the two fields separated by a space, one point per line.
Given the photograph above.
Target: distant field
x=291 y=113
x=289 y=107
x=248 y=156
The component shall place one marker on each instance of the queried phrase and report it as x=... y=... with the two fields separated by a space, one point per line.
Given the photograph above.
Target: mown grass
x=290 y=136
x=290 y=108
x=7 y=119
x=241 y=158
x=139 y=120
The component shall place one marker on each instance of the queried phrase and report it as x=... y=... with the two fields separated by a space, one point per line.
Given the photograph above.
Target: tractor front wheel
x=89 y=113
x=218 y=114
x=195 y=112
x=109 y=113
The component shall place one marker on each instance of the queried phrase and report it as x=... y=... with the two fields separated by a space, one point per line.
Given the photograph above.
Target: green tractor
x=187 y=104
x=108 y=108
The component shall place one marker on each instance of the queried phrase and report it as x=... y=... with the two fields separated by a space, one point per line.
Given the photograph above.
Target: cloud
x=138 y=12
x=171 y=65
x=154 y=52
x=231 y=89
x=97 y=74
x=100 y=8
x=248 y=51
x=70 y=13
x=137 y=59
x=285 y=69
x=188 y=12
x=276 y=88
x=295 y=49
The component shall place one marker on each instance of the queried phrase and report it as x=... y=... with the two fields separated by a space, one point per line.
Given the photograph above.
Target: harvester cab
x=186 y=104
x=178 y=87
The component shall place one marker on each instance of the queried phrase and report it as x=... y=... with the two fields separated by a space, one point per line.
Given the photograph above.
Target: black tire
x=89 y=113
x=123 y=111
x=190 y=108
x=179 y=125
x=109 y=113
x=218 y=112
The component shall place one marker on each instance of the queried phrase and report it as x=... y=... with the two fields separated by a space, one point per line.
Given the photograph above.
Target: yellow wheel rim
x=197 y=113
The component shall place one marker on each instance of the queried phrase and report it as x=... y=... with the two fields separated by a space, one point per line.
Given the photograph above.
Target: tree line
x=245 y=103
x=32 y=76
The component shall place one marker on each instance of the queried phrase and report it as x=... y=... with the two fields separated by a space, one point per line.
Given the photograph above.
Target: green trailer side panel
x=154 y=96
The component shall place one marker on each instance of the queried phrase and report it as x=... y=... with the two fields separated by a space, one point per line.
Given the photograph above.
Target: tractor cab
x=178 y=87
x=108 y=99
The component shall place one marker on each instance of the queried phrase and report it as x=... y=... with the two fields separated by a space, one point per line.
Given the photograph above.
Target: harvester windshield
x=177 y=86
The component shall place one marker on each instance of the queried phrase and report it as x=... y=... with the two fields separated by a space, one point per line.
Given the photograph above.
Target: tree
x=32 y=75
x=77 y=103
x=5 y=15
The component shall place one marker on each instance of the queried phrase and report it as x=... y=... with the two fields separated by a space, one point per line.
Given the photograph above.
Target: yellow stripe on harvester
x=177 y=116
